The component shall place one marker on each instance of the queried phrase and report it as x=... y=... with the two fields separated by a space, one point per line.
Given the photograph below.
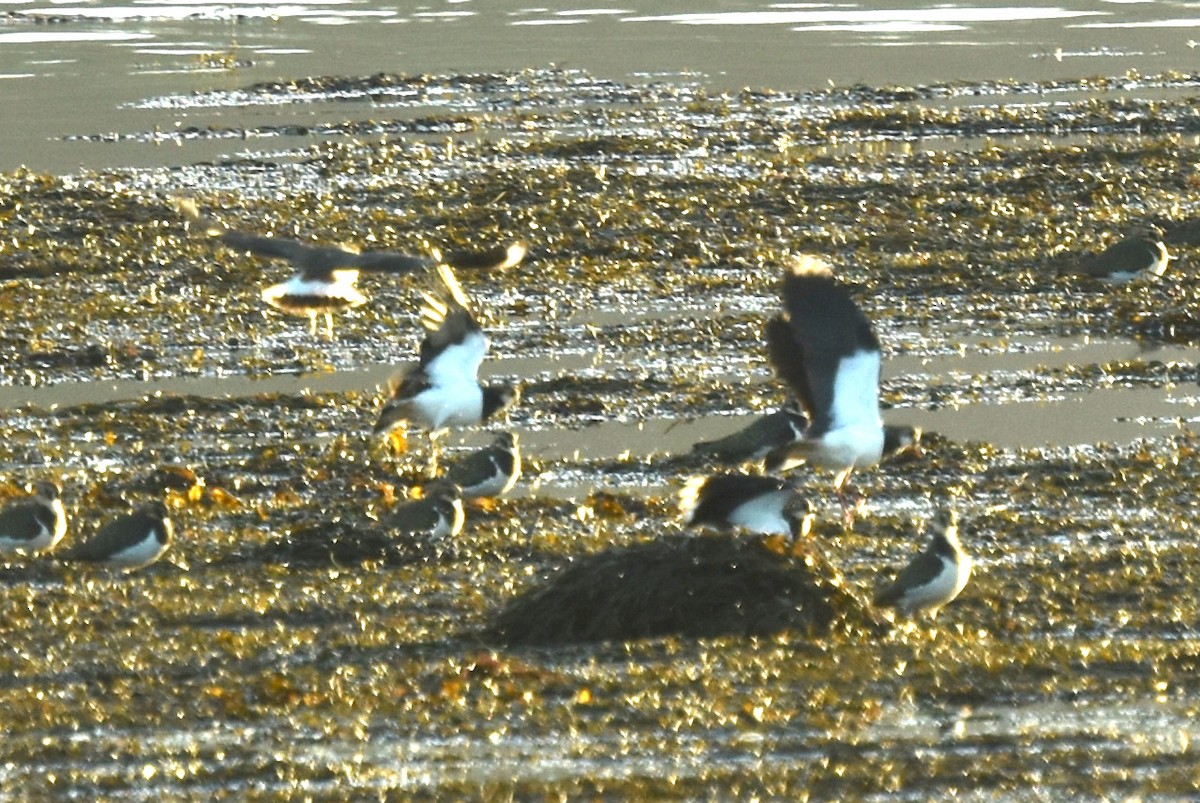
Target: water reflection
x=1006 y=418
x=727 y=46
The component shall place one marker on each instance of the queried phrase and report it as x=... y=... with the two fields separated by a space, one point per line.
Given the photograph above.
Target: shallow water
x=87 y=70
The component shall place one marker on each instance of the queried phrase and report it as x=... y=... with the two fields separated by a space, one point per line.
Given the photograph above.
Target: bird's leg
x=849 y=510
x=329 y=326
x=435 y=450
x=312 y=323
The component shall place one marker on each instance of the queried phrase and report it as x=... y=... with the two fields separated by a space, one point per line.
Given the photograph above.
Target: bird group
x=128 y=542
x=824 y=349
x=820 y=344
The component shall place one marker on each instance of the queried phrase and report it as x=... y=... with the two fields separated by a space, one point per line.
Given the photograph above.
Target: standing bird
x=497 y=257
x=824 y=348
x=491 y=471
x=934 y=577
x=764 y=505
x=326 y=276
x=757 y=439
x=435 y=516
x=1142 y=253
x=36 y=524
x=443 y=389
x=129 y=542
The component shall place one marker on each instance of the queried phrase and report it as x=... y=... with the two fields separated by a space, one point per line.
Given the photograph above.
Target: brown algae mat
x=292 y=649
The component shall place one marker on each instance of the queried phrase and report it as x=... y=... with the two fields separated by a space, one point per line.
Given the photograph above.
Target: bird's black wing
x=830 y=333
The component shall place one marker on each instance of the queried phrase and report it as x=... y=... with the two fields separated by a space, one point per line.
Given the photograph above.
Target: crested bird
x=443 y=389
x=437 y=515
x=1140 y=254
x=129 y=542
x=757 y=439
x=764 y=505
x=934 y=577
x=36 y=524
x=824 y=348
x=488 y=258
x=491 y=471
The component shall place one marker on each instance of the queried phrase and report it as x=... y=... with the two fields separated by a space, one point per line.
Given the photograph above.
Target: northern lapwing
x=824 y=348
x=1141 y=254
x=130 y=541
x=934 y=577
x=764 y=505
x=326 y=276
x=491 y=471
x=754 y=441
x=443 y=389
x=36 y=524
x=898 y=439
x=437 y=515
x=497 y=257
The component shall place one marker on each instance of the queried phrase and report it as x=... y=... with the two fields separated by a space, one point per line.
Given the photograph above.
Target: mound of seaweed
x=689 y=586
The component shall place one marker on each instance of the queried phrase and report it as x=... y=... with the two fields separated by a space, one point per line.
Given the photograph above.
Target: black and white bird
x=491 y=471
x=326 y=276
x=490 y=258
x=1141 y=254
x=764 y=505
x=824 y=348
x=36 y=524
x=130 y=541
x=437 y=515
x=443 y=389
x=754 y=441
x=934 y=577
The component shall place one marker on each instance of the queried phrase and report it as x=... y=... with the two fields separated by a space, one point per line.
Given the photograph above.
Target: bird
x=326 y=276
x=129 y=542
x=1140 y=254
x=491 y=471
x=497 y=257
x=824 y=348
x=898 y=439
x=934 y=577
x=754 y=441
x=34 y=525
x=760 y=504
x=1185 y=232
x=443 y=389
x=437 y=515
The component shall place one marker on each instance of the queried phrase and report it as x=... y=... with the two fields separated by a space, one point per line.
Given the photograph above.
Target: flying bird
x=824 y=348
x=443 y=390
x=326 y=276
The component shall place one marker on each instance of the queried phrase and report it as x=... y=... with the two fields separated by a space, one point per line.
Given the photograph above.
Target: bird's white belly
x=450 y=405
x=850 y=447
x=762 y=515
x=289 y=295
x=142 y=553
x=942 y=589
